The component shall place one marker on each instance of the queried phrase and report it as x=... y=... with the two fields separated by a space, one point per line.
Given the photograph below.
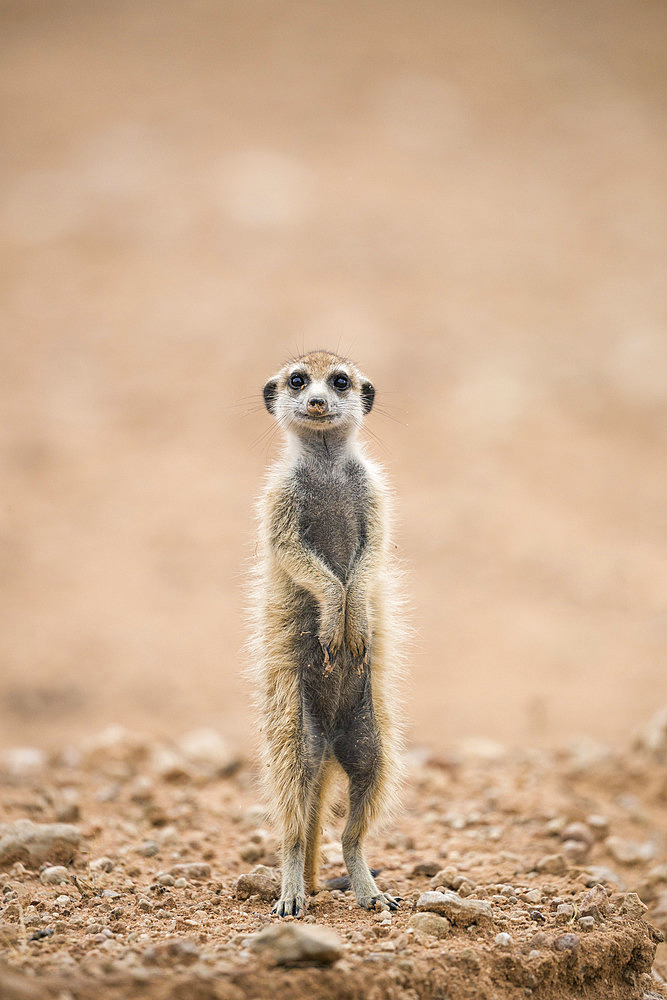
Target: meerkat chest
x=332 y=508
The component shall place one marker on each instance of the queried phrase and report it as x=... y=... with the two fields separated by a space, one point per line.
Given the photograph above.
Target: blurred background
x=468 y=199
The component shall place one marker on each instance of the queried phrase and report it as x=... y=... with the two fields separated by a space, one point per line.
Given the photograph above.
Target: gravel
x=431 y=924
x=192 y=870
x=629 y=852
x=632 y=906
x=257 y=884
x=37 y=843
x=566 y=942
x=595 y=903
x=503 y=939
x=486 y=907
x=461 y=912
x=54 y=875
x=552 y=864
x=293 y=943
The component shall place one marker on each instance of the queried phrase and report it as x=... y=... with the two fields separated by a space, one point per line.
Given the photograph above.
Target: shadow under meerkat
x=325 y=636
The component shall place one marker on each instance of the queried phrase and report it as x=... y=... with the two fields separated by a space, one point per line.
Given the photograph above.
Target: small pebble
x=149 y=848
x=25 y=842
x=291 y=943
x=599 y=873
x=504 y=939
x=577 y=831
x=54 y=875
x=594 y=903
x=43 y=932
x=629 y=852
x=598 y=824
x=267 y=887
x=431 y=924
x=552 y=864
x=555 y=826
x=575 y=851
x=192 y=870
x=532 y=896
x=103 y=864
x=251 y=852
x=428 y=868
x=586 y=923
x=566 y=942
x=461 y=912
x=632 y=906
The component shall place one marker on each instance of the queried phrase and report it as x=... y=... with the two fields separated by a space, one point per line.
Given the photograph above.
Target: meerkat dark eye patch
x=367 y=396
x=297 y=380
x=270 y=390
x=341 y=382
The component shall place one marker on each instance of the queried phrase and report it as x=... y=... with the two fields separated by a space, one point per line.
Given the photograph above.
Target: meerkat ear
x=367 y=396
x=270 y=390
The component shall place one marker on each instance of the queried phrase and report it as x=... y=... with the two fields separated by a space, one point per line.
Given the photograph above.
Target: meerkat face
x=319 y=392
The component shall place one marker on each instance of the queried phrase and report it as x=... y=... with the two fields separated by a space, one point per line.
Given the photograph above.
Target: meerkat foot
x=290 y=906
x=384 y=899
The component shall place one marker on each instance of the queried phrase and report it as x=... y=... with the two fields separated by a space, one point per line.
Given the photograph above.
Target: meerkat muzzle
x=317 y=406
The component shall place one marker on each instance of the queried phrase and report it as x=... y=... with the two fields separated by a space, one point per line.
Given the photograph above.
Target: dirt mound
x=522 y=874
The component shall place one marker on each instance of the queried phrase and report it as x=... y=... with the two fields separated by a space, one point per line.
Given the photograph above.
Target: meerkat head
x=319 y=392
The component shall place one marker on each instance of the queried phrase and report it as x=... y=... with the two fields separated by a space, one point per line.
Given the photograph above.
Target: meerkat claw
x=291 y=906
x=327 y=662
x=360 y=662
x=385 y=900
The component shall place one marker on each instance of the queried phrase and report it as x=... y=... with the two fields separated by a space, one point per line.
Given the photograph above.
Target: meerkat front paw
x=385 y=901
x=332 y=634
x=356 y=640
x=290 y=906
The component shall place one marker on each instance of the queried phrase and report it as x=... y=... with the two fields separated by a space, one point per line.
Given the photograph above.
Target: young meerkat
x=326 y=635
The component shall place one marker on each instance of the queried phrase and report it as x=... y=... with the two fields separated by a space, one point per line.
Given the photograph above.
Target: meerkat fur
x=326 y=631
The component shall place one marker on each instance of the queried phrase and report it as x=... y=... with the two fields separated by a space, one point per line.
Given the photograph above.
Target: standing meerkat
x=325 y=639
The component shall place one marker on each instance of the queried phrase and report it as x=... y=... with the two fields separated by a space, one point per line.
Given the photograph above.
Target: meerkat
x=325 y=637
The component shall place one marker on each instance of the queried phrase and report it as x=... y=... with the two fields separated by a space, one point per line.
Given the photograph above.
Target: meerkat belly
x=332 y=521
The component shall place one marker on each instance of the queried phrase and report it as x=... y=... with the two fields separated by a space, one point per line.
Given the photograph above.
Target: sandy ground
x=167 y=873
x=468 y=199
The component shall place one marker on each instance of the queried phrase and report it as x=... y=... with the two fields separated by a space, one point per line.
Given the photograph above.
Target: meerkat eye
x=297 y=380
x=341 y=382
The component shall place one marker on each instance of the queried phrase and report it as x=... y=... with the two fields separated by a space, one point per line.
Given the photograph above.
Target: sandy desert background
x=466 y=198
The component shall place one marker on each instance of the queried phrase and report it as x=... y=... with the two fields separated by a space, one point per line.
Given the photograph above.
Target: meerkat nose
x=317 y=404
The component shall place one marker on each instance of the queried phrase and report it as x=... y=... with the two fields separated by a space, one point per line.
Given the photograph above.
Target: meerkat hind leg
x=300 y=845
x=360 y=755
x=313 y=830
